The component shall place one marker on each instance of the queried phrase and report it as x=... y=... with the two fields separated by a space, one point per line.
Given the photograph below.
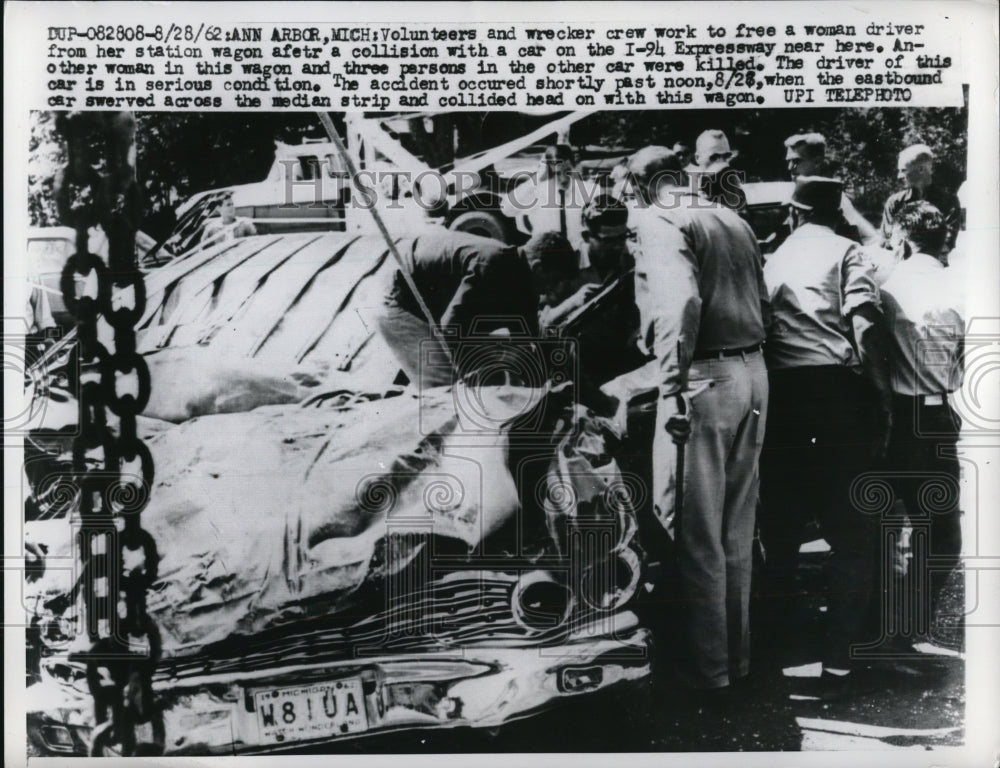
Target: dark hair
x=923 y=225
x=557 y=153
x=553 y=251
x=604 y=211
x=724 y=188
x=823 y=217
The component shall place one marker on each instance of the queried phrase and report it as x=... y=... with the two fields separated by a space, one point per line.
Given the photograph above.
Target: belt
x=720 y=354
x=927 y=400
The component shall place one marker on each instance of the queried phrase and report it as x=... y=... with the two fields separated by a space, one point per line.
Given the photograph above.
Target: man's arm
x=549 y=317
x=673 y=312
x=213 y=233
x=871 y=337
x=869 y=235
x=952 y=222
x=888 y=215
x=860 y=305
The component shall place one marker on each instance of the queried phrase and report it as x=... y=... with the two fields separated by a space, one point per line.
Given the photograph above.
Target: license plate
x=310 y=712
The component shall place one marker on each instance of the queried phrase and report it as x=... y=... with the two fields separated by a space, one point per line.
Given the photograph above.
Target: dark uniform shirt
x=465 y=278
x=944 y=201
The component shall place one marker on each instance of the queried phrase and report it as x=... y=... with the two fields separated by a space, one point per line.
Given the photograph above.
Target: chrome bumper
x=471 y=687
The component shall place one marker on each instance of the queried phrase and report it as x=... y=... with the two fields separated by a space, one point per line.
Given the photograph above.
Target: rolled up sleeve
x=857 y=282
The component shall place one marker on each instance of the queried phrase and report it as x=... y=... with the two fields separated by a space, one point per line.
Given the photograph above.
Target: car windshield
x=186 y=233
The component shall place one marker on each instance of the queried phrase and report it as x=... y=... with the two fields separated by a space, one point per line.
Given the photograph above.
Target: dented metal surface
x=320 y=526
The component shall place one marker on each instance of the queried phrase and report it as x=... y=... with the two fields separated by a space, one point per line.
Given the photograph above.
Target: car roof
x=768 y=192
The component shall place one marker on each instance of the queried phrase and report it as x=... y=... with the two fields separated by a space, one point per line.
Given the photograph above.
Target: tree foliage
x=863 y=142
x=181 y=153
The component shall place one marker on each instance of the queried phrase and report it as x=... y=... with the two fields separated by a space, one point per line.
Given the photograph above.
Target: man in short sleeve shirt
x=227 y=226
x=924 y=305
x=829 y=380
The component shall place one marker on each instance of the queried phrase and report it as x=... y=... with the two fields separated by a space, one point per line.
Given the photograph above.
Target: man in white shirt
x=553 y=200
x=829 y=399
x=924 y=307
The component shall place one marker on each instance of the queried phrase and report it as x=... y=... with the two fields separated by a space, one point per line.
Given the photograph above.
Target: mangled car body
x=339 y=555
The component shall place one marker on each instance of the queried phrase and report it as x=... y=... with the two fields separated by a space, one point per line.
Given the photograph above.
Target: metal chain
x=119 y=559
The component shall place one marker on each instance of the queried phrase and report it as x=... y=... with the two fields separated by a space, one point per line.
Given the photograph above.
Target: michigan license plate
x=310 y=712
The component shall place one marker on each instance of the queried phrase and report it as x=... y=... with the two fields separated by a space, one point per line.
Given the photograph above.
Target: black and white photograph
x=499 y=431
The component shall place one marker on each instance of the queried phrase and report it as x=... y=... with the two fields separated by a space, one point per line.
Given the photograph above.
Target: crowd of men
x=781 y=386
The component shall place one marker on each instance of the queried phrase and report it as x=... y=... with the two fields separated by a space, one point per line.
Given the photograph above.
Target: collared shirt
x=464 y=278
x=944 y=201
x=698 y=283
x=924 y=307
x=815 y=280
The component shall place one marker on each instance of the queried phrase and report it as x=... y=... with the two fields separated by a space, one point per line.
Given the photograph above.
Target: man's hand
x=678 y=417
x=585 y=294
x=552 y=316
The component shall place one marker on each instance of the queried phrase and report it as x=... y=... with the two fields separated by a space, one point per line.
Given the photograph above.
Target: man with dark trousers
x=699 y=289
x=924 y=306
x=828 y=371
x=473 y=285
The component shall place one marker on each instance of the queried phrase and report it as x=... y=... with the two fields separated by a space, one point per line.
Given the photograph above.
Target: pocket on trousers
x=956 y=419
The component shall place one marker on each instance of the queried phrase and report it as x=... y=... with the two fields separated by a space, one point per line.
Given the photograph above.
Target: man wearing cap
x=924 y=306
x=916 y=171
x=712 y=174
x=828 y=371
x=699 y=289
x=553 y=200
x=805 y=155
